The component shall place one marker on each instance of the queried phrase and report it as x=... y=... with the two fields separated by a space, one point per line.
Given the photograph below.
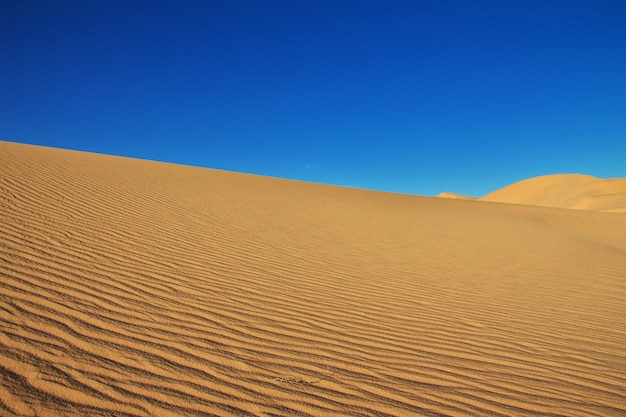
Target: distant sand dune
x=572 y=191
x=446 y=194
x=136 y=288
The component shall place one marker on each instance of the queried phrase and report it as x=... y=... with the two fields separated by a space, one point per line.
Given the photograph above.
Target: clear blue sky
x=405 y=96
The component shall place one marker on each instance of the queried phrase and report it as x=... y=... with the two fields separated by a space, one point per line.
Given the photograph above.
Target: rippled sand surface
x=137 y=288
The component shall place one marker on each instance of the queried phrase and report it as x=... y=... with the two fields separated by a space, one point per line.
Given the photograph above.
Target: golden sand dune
x=136 y=288
x=446 y=194
x=573 y=191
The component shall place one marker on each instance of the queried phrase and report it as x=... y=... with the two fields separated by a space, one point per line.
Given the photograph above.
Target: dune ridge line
x=572 y=191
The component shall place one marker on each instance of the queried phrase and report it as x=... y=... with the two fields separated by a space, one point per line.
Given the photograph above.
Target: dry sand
x=446 y=194
x=136 y=288
x=573 y=191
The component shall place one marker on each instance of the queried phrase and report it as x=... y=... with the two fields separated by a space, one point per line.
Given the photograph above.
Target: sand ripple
x=135 y=288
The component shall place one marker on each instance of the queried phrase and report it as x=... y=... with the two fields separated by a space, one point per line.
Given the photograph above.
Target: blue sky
x=414 y=97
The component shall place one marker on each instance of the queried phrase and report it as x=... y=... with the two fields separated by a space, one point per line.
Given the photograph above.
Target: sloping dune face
x=135 y=288
x=572 y=191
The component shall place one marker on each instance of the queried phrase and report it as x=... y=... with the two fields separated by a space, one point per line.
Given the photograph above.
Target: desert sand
x=447 y=194
x=138 y=288
x=573 y=191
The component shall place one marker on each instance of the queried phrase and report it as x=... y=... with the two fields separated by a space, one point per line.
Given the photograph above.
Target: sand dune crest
x=136 y=288
x=572 y=191
x=446 y=194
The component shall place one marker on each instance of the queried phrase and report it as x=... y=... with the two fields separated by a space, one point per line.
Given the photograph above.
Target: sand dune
x=573 y=191
x=446 y=194
x=136 y=288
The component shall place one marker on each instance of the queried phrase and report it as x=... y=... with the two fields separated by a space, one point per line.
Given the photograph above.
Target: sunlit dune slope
x=573 y=191
x=446 y=194
x=136 y=288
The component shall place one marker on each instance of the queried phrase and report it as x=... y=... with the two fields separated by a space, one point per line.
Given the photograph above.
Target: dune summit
x=574 y=191
x=137 y=288
x=446 y=194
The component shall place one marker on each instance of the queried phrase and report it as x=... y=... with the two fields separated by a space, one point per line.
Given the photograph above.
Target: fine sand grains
x=136 y=288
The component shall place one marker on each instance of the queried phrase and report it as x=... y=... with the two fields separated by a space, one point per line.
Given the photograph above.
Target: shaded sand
x=135 y=288
x=572 y=191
